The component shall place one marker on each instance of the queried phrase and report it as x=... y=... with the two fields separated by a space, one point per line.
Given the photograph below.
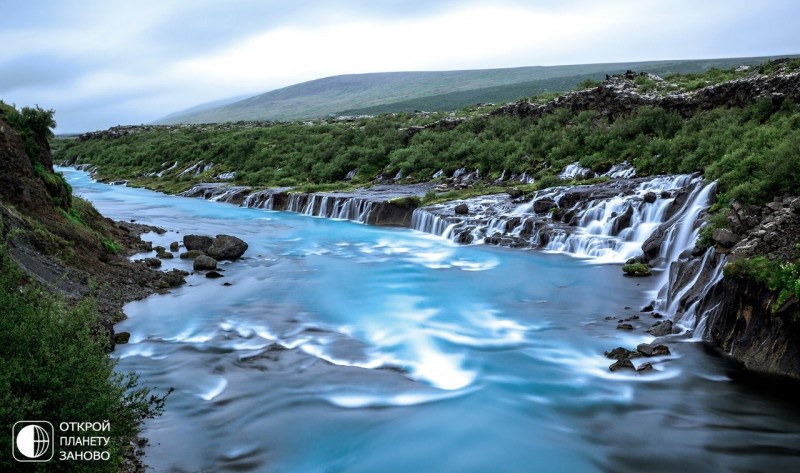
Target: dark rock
x=197 y=242
x=632 y=317
x=214 y=275
x=619 y=353
x=650 y=197
x=656 y=315
x=621 y=365
x=461 y=209
x=191 y=254
x=204 y=262
x=647 y=349
x=774 y=206
x=625 y=327
x=622 y=221
x=661 y=328
x=644 y=367
x=225 y=283
x=725 y=237
x=174 y=246
x=121 y=338
x=164 y=255
x=648 y=308
x=226 y=247
x=513 y=192
x=543 y=205
x=153 y=262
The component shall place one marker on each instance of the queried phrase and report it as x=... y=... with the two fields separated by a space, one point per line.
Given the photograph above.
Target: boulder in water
x=197 y=242
x=174 y=246
x=204 y=262
x=461 y=209
x=621 y=365
x=214 y=275
x=661 y=328
x=226 y=247
x=191 y=254
x=647 y=349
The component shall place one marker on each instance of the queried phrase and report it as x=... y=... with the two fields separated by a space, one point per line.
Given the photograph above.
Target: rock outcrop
x=226 y=247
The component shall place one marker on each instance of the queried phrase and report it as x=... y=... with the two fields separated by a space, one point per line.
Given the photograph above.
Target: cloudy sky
x=99 y=63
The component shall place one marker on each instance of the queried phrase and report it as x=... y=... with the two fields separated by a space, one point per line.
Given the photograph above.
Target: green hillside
x=431 y=91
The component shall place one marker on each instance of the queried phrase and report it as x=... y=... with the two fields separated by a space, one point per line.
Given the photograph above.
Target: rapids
x=344 y=347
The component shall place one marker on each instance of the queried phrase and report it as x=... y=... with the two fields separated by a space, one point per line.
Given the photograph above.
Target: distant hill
x=375 y=93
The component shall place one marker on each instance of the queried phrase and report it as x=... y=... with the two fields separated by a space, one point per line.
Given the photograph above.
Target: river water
x=343 y=347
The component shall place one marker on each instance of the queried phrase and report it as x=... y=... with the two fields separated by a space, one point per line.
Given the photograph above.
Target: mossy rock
x=636 y=269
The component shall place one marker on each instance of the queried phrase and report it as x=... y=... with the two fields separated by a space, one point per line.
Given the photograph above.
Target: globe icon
x=33 y=441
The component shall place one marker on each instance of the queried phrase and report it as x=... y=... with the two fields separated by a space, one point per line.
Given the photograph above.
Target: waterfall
x=610 y=228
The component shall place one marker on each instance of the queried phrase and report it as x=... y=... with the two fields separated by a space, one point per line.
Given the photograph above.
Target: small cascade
x=424 y=221
x=607 y=222
x=260 y=200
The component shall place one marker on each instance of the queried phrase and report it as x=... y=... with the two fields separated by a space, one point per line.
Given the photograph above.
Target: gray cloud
x=100 y=63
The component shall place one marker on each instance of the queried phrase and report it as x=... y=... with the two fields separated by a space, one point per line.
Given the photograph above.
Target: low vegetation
x=782 y=278
x=751 y=151
x=55 y=368
x=636 y=269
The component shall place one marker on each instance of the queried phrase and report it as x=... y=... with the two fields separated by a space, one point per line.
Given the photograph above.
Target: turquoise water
x=344 y=347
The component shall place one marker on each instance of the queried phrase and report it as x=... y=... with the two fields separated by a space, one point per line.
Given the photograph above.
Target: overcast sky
x=99 y=63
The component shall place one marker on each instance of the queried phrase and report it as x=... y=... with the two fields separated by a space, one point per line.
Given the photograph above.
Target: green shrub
x=54 y=369
x=782 y=278
x=111 y=246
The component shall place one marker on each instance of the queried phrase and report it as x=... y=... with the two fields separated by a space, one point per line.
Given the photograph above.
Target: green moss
x=636 y=269
x=409 y=202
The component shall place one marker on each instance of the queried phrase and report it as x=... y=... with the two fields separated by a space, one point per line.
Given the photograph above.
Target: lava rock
x=725 y=237
x=513 y=192
x=621 y=365
x=619 y=353
x=164 y=255
x=661 y=328
x=624 y=327
x=650 y=197
x=226 y=247
x=214 y=275
x=644 y=367
x=174 y=246
x=120 y=338
x=197 y=242
x=204 y=262
x=544 y=205
x=647 y=349
x=461 y=209
x=153 y=262
x=648 y=308
x=191 y=254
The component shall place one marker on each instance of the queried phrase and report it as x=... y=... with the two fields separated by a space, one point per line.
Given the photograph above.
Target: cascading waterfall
x=672 y=205
x=609 y=229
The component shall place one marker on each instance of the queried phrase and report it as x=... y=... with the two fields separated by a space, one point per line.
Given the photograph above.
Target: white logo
x=33 y=441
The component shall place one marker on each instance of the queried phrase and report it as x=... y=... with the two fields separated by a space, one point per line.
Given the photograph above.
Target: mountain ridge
x=387 y=92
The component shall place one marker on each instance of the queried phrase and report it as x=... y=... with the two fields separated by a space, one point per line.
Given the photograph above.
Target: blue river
x=337 y=346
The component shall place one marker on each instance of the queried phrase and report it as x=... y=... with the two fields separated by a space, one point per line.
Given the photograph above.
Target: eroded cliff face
x=59 y=241
x=744 y=326
x=742 y=317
